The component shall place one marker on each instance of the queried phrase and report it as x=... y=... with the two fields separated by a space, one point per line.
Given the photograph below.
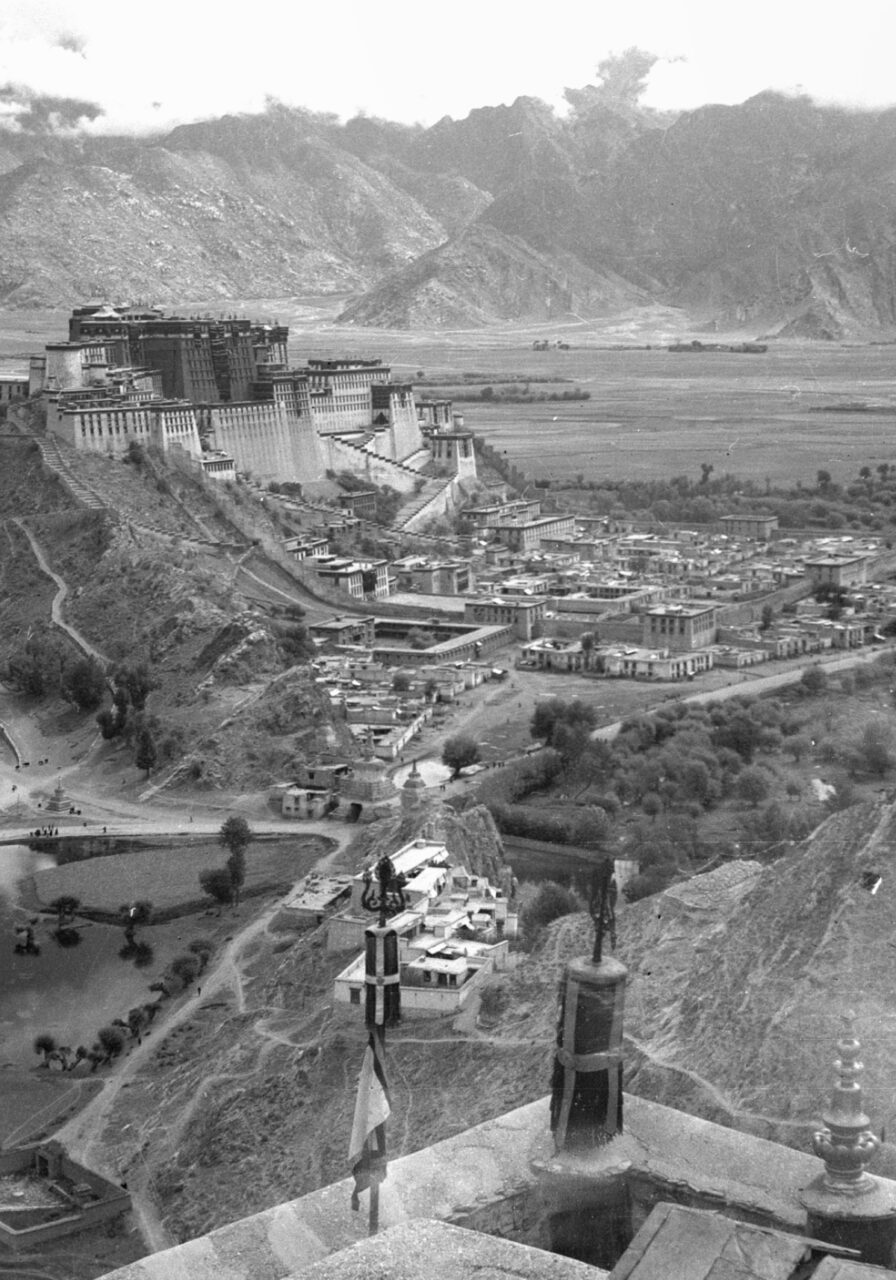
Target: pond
x=69 y=992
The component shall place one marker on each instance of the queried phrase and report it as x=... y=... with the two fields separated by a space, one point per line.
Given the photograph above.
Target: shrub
x=493 y=1000
x=644 y=884
x=550 y=903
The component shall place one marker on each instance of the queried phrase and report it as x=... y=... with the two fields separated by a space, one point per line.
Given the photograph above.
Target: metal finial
x=602 y=907
x=384 y=890
x=846 y=1144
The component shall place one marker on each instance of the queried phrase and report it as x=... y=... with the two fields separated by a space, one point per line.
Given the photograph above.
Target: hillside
x=482 y=276
x=147 y=585
x=740 y=981
x=777 y=214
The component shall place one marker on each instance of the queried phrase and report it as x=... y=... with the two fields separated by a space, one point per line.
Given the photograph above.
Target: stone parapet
x=503 y=1178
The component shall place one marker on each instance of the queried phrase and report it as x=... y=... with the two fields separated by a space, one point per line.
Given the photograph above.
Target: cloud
x=70 y=42
x=22 y=110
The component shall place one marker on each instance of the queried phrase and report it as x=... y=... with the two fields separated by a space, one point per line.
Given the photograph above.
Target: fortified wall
x=265 y=440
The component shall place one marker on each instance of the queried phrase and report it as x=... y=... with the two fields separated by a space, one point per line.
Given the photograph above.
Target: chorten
x=59 y=801
x=413 y=792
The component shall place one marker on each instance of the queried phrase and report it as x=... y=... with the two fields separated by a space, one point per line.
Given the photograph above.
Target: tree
x=135 y=914
x=236 y=835
x=652 y=805
x=419 y=638
x=236 y=869
x=45 y=1044
x=145 y=751
x=138 y=1019
x=401 y=682
x=752 y=786
x=111 y=1042
x=65 y=907
x=875 y=750
x=84 y=684
x=216 y=882
x=36 y=668
x=185 y=968
x=813 y=680
x=202 y=949
x=767 y=617
x=741 y=733
x=797 y=745
x=136 y=682
x=459 y=752
x=545 y=716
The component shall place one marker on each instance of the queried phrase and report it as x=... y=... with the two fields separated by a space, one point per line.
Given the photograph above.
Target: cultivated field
x=653 y=413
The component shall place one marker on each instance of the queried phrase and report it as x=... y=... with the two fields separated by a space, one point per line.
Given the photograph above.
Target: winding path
x=59 y=599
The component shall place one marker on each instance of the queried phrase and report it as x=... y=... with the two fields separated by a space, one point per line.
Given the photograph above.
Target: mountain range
x=774 y=216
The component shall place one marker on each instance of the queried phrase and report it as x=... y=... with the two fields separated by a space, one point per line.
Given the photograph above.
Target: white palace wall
x=266 y=440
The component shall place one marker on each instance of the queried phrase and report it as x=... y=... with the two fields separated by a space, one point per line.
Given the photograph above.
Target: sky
x=153 y=65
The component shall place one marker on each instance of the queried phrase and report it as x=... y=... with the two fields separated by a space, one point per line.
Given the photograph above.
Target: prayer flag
x=367 y=1150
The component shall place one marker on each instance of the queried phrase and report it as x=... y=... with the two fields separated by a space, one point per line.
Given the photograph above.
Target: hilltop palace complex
x=223 y=390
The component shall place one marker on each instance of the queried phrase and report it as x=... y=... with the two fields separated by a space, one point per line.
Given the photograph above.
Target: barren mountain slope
x=483 y=275
x=169 y=221
x=740 y=981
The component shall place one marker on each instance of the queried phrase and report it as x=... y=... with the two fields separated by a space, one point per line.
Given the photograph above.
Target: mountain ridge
x=776 y=214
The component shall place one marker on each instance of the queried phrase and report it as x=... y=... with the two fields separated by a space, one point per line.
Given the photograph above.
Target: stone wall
x=342 y=455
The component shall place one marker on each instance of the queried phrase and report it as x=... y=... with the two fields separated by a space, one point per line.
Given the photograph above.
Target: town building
x=345 y=630
x=13 y=386
x=656 y=664
x=433 y=577
x=317 y=896
x=218 y=465
x=305 y=545
x=757 y=527
x=47 y=1196
x=527 y=535
x=512 y=509
x=837 y=571
x=679 y=627
x=360 y=502
x=524 y=614
x=363 y=579
x=550 y=653
x=453 y=933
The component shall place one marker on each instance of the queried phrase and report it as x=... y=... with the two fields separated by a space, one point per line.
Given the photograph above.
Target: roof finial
x=847 y=1144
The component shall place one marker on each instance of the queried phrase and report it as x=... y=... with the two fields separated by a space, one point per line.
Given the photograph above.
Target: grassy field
x=169 y=877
